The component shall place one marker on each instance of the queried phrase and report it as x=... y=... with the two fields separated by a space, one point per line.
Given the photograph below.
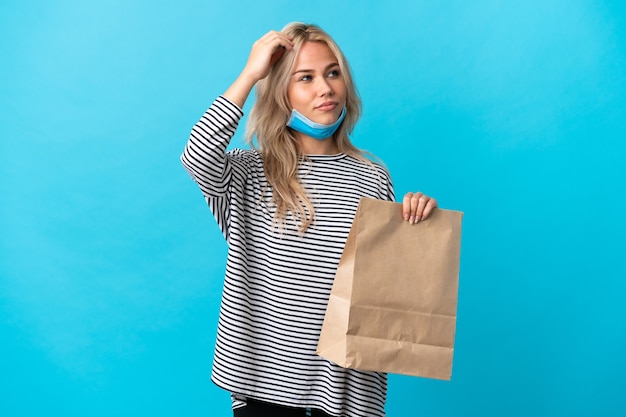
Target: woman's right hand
x=265 y=52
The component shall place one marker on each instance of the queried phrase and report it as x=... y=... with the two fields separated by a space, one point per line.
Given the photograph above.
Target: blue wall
x=111 y=265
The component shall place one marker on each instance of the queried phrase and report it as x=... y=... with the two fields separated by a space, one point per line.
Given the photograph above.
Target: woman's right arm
x=204 y=156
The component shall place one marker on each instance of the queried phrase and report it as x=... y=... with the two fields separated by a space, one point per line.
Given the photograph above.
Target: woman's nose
x=325 y=89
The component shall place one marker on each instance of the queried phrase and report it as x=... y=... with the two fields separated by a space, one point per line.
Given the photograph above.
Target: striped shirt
x=278 y=281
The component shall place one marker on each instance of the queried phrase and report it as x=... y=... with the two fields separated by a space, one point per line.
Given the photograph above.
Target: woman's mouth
x=327 y=106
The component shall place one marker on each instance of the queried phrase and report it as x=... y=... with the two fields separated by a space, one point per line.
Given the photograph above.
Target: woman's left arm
x=417 y=207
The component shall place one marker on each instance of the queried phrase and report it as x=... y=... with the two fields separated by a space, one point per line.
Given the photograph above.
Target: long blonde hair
x=278 y=146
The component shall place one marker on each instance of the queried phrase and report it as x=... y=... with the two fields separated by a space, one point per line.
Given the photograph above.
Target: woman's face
x=316 y=87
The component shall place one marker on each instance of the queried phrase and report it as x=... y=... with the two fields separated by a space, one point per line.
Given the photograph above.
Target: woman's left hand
x=417 y=207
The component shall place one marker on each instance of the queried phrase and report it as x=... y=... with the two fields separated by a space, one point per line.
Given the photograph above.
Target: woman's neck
x=312 y=146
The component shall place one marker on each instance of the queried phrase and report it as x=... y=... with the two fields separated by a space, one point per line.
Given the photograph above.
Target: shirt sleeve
x=204 y=156
x=210 y=166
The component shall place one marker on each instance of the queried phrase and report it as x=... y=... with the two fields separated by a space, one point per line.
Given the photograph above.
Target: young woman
x=286 y=207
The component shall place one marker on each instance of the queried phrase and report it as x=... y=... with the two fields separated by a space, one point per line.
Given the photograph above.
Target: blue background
x=111 y=265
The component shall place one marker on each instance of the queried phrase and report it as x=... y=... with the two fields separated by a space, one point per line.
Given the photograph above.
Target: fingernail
x=406 y=217
x=412 y=220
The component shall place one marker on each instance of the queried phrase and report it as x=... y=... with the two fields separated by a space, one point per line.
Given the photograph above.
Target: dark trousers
x=256 y=408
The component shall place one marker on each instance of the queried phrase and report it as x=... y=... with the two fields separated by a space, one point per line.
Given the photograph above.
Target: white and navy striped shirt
x=278 y=281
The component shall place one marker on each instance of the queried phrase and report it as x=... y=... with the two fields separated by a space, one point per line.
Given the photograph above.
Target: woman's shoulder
x=369 y=161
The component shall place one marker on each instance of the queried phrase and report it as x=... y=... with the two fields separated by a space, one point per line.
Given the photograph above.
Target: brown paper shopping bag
x=393 y=303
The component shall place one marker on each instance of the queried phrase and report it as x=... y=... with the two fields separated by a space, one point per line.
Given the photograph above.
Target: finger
x=406 y=206
x=278 y=53
x=421 y=206
x=414 y=203
x=278 y=43
x=277 y=39
x=418 y=202
x=430 y=206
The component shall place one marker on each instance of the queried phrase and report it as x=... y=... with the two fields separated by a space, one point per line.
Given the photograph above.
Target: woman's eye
x=306 y=78
x=333 y=74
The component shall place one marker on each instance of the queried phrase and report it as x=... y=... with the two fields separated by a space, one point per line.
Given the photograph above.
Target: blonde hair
x=278 y=146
